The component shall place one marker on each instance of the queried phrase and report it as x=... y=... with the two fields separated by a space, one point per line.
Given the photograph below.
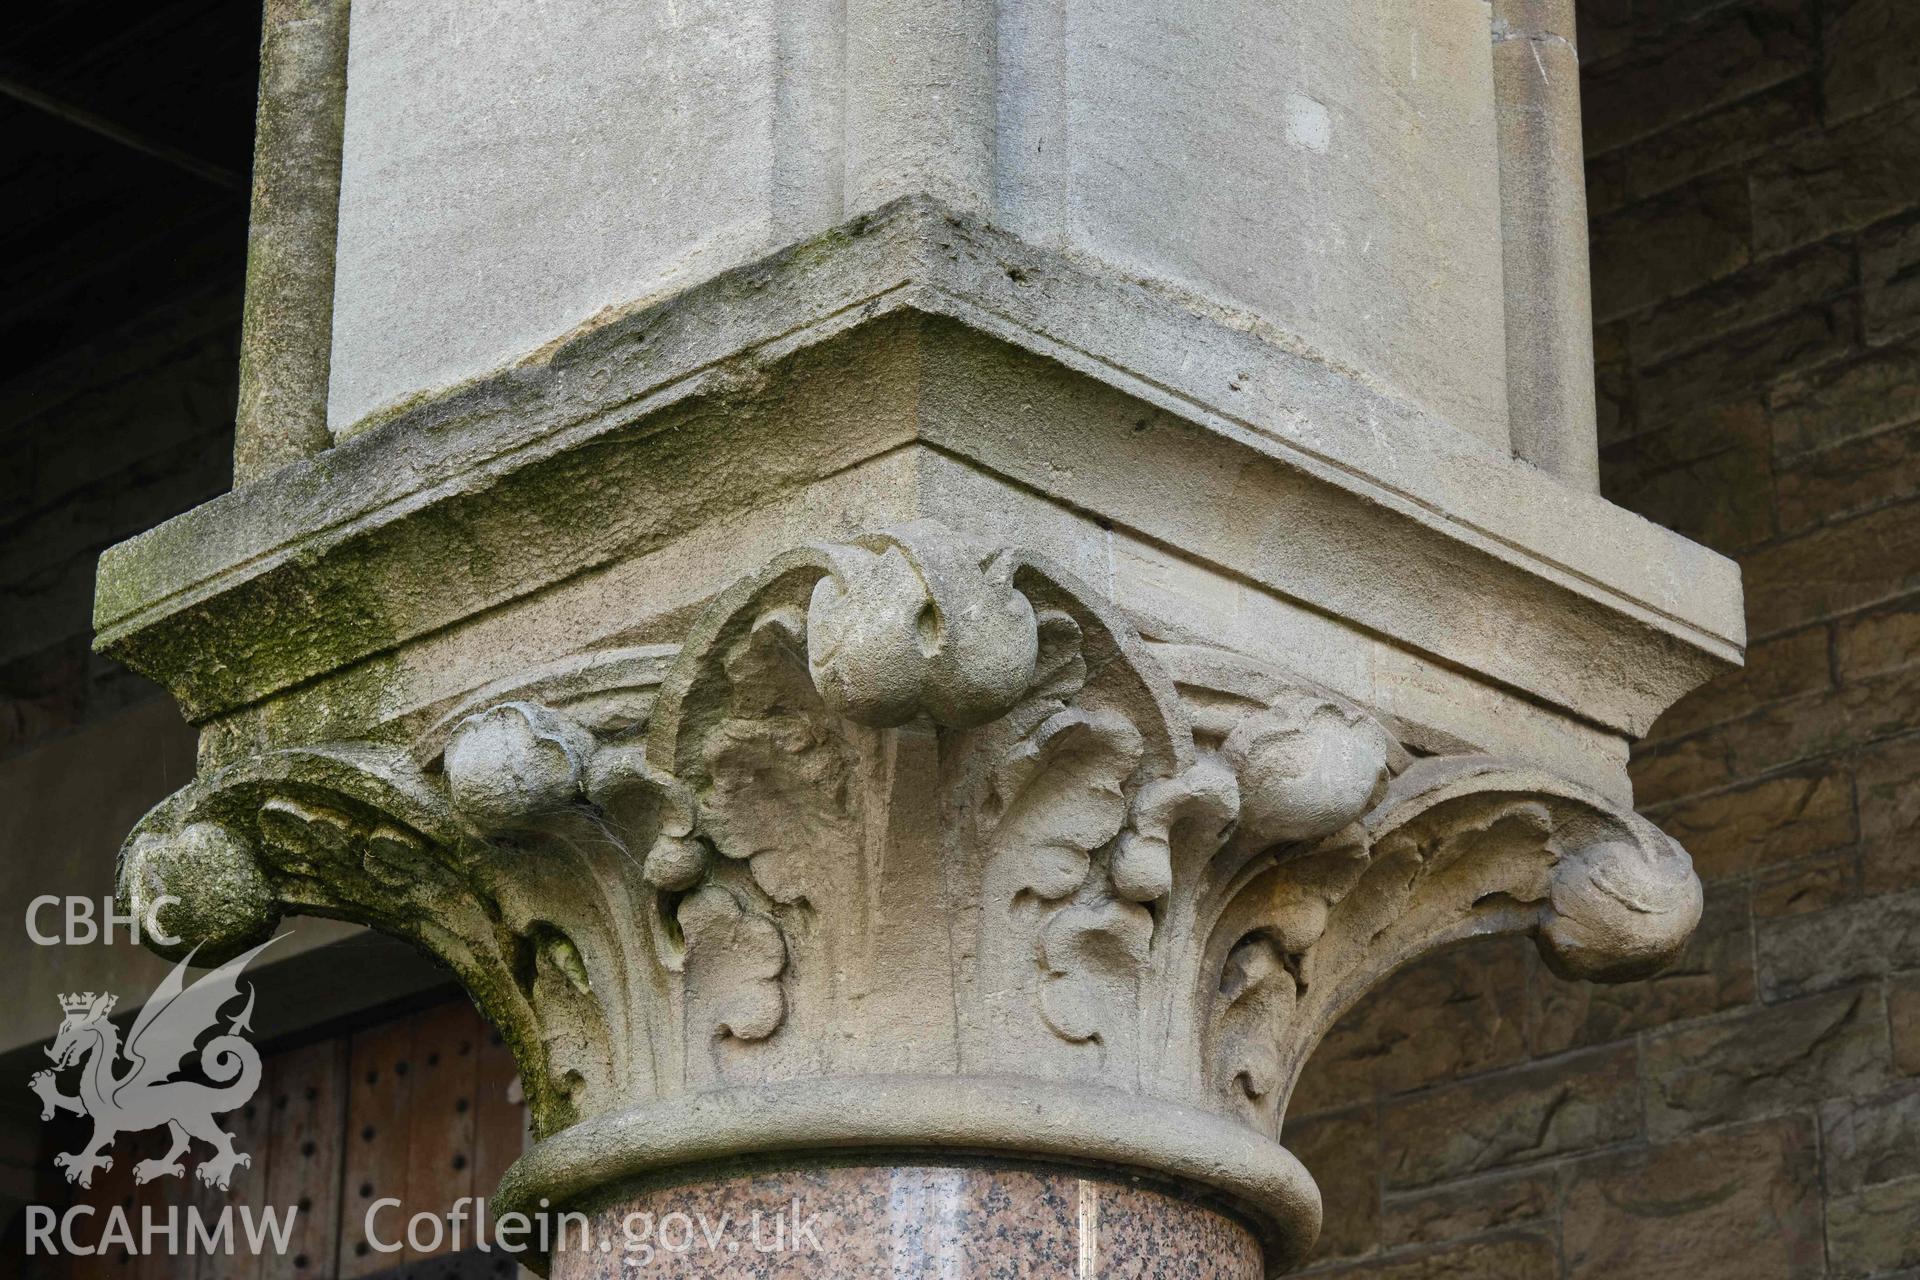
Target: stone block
x=184 y=388
x=1782 y=819
x=1846 y=401
x=1450 y=1213
x=1871 y=54
x=1670 y=245
x=1882 y=640
x=1705 y=474
x=1849 y=478
x=1779 y=736
x=1903 y=1016
x=1875 y=1231
x=701 y=137
x=1528 y=1256
x=1715 y=973
x=1342 y=1152
x=1461 y=1013
x=1760 y=293
x=1739 y=1203
x=1512 y=1118
x=1817 y=884
x=1853 y=942
x=1890 y=280
x=1888 y=781
x=1729 y=137
x=1834 y=569
x=46 y=694
x=1605 y=28
x=1766 y=1061
x=1871 y=1141
x=1783 y=666
x=1838 y=181
x=1613 y=375
x=1691 y=68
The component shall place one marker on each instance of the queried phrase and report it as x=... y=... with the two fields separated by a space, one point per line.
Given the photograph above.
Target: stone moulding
x=916 y=843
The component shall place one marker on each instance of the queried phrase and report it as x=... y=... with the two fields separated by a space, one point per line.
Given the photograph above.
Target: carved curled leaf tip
x=1062 y=792
x=224 y=903
x=1259 y=993
x=510 y=764
x=734 y=961
x=1092 y=954
x=1622 y=908
x=1307 y=768
x=1208 y=792
x=919 y=628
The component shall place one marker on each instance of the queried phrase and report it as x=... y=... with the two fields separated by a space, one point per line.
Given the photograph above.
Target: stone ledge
x=682 y=383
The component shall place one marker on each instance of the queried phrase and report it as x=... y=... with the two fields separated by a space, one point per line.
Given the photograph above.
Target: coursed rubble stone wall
x=1755 y=1113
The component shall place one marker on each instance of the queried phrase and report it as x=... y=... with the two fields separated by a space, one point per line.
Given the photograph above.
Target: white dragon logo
x=144 y=1096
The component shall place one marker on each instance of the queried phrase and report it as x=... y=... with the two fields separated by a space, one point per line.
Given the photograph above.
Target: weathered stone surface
x=1522 y=1256
x=1871 y=1141
x=1342 y=1152
x=1870 y=54
x=1890 y=280
x=1884 y=640
x=1706 y=474
x=1903 y=1015
x=630 y=437
x=702 y=138
x=1738 y=1203
x=1779 y=736
x=1512 y=1118
x=1840 y=180
x=1835 y=569
x=1890 y=815
x=1766 y=1060
x=1669 y=245
x=1740 y=302
x=1453 y=1016
x=1545 y=269
x=1844 y=402
x=1727 y=368
x=1780 y=820
x=1855 y=476
x=1468 y=1209
x=1729 y=137
x=733 y=586
x=1694 y=67
x=1817 y=884
x=287 y=334
x=1714 y=973
x=1875 y=1231
x=1782 y=666
x=1855 y=941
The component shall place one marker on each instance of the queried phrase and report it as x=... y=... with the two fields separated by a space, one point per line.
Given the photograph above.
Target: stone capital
x=913 y=842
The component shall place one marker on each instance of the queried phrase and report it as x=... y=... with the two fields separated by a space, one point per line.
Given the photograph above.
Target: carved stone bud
x=675 y=863
x=893 y=636
x=224 y=904
x=513 y=763
x=1307 y=768
x=1620 y=911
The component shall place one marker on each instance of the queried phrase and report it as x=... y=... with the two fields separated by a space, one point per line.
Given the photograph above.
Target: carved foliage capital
x=915 y=807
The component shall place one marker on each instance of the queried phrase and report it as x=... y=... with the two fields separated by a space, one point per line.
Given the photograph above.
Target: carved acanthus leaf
x=1457 y=848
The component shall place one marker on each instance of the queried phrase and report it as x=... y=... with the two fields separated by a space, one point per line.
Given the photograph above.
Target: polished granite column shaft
x=947 y=1221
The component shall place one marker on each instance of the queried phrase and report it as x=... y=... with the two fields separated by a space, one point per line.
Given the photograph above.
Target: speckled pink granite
x=970 y=1222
